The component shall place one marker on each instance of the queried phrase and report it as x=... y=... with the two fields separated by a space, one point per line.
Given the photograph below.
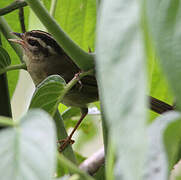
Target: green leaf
x=62 y=170
x=34 y=22
x=100 y=174
x=78 y=19
x=120 y=66
x=48 y=94
x=172 y=140
x=28 y=150
x=79 y=158
x=4 y=58
x=71 y=112
x=157 y=82
x=12 y=75
x=164 y=26
x=158 y=85
x=164 y=146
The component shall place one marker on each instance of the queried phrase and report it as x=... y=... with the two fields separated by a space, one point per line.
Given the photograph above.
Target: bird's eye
x=33 y=42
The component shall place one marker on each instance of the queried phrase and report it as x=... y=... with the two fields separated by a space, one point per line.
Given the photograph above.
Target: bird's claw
x=78 y=78
x=64 y=143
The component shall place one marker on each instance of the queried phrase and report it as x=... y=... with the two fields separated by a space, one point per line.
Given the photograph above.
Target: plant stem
x=4 y=121
x=53 y=7
x=76 y=79
x=13 y=6
x=62 y=134
x=84 y=60
x=5 y=29
x=13 y=67
x=5 y=106
x=73 y=168
x=104 y=129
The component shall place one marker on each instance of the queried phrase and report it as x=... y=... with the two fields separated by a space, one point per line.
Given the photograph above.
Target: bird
x=44 y=57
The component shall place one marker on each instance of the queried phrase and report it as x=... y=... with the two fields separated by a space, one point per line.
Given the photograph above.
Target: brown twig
x=21 y=19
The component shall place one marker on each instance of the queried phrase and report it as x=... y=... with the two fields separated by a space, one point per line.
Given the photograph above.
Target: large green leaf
x=33 y=22
x=28 y=150
x=48 y=94
x=71 y=112
x=120 y=67
x=172 y=139
x=78 y=19
x=100 y=175
x=157 y=83
x=164 y=25
x=164 y=146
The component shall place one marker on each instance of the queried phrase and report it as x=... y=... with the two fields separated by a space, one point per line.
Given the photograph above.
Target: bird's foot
x=68 y=141
x=64 y=143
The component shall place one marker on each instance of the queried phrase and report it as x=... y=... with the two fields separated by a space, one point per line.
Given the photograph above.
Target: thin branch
x=93 y=163
x=13 y=67
x=13 y=6
x=22 y=19
x=77 y=79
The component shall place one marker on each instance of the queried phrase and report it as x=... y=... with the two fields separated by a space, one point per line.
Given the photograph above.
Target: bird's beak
x=18 y=41
x=20 y=35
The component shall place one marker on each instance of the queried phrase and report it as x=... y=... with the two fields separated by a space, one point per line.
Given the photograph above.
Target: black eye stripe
x=33 y=42
x=40 y=48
